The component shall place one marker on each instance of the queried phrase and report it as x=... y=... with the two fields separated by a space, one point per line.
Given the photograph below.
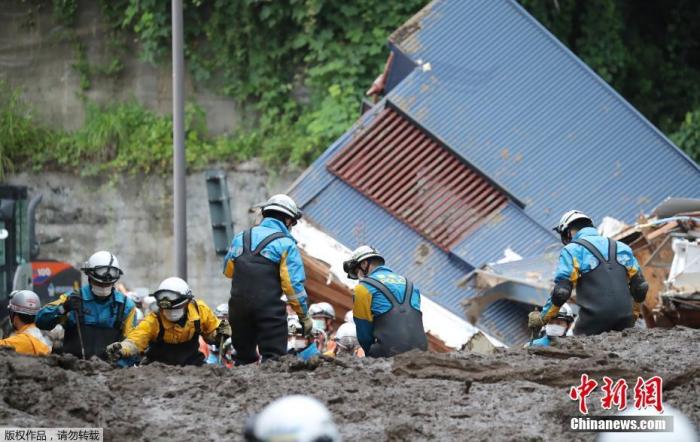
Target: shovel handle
x=80 y=333
x=221 y=349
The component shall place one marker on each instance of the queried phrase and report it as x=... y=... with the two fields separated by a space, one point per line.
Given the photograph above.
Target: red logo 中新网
x=646 y=393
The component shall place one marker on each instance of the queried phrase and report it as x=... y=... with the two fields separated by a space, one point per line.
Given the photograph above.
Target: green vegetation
x=20 y=135
x=299 y=69
x=688 y=136
x=124 y=137
x=304 y=63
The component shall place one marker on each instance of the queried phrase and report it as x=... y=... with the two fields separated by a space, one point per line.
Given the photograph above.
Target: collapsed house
x=667 y=245
x=487 y=128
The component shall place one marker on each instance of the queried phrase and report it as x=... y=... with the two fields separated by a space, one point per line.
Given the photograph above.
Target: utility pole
x=179 y=206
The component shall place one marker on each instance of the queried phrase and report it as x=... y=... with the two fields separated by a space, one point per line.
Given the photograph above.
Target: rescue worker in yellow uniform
x=27 y=339
x=171 y=335
x=386 y=308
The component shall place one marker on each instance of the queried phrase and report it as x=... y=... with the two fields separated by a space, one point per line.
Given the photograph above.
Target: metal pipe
x=179 y=202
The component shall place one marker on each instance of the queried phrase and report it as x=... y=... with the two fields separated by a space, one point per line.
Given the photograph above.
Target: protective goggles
x=168 y=300
x=105 y=274
x=350 y=267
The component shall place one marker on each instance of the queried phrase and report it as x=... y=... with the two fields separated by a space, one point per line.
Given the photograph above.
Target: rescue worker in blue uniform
x=264 y=264
x=386 y=306
x=609 y=283
x=103 y=314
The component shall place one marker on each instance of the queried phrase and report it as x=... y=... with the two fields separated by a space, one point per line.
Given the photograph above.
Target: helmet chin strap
x=565 y=236
x=364 y=270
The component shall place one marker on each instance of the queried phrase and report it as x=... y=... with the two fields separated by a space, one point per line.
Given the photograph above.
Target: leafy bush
x=21 y=138
x=304 y=63
x=688 y=136
x=124 y=137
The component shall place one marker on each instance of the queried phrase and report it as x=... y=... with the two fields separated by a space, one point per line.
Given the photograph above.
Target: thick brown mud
x=513 y=394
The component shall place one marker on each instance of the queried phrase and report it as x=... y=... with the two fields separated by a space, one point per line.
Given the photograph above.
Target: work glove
x=114 y=351
x=307 y=326
x=534 y=320
x=119 y=350
x=223 y=331
x=72 y=302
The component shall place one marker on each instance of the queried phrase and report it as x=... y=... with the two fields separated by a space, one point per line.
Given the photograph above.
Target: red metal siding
x=399 y=167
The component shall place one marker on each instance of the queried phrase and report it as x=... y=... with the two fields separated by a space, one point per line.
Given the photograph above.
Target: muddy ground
x=514 y=394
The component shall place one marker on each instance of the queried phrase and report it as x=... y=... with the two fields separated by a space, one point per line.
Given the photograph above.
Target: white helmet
x=683 y=428
x=555 y=329
x=349 y=317
x=358 y=255
x=25 y=302
x=322 y=309
x=221 y=311
x=283 y=204
x=139 y=294
x=149 y=305
x=568 y=218
x=173 y=293
x=563 y=228
x=103 y=267
x=293 y=418
x=346 y=336
x=566 y=313
x=293 y=325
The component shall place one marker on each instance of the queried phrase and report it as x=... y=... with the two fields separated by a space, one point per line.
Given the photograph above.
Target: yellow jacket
x=27 y=341
x=148 y=329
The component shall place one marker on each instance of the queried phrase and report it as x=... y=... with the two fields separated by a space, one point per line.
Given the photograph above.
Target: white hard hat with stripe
x=282 y=203
x=568 y=218
x=25 y=302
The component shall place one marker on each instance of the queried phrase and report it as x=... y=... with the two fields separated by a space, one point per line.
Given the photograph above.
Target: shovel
x=80 y=333
x=221 y=348
x=533 y=330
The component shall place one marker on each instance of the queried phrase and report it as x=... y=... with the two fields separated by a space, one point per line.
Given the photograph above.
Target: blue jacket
x=575 y=260
x=370 y=302
x=282 y=251
x=100 y=314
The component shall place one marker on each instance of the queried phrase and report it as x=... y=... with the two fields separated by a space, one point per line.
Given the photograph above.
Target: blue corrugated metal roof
x=503 y=93
x=510 y=228
x=506 y=96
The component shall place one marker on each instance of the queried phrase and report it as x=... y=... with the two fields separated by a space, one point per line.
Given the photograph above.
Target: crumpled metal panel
x=398 y=166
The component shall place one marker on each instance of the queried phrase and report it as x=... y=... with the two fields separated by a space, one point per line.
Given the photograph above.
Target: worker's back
x=27 y=340
x=263 y=263
x=398 y=321
x=602 y=283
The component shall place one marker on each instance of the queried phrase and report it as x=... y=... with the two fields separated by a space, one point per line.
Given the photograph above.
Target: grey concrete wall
x=36 y=59
x=132 y=217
